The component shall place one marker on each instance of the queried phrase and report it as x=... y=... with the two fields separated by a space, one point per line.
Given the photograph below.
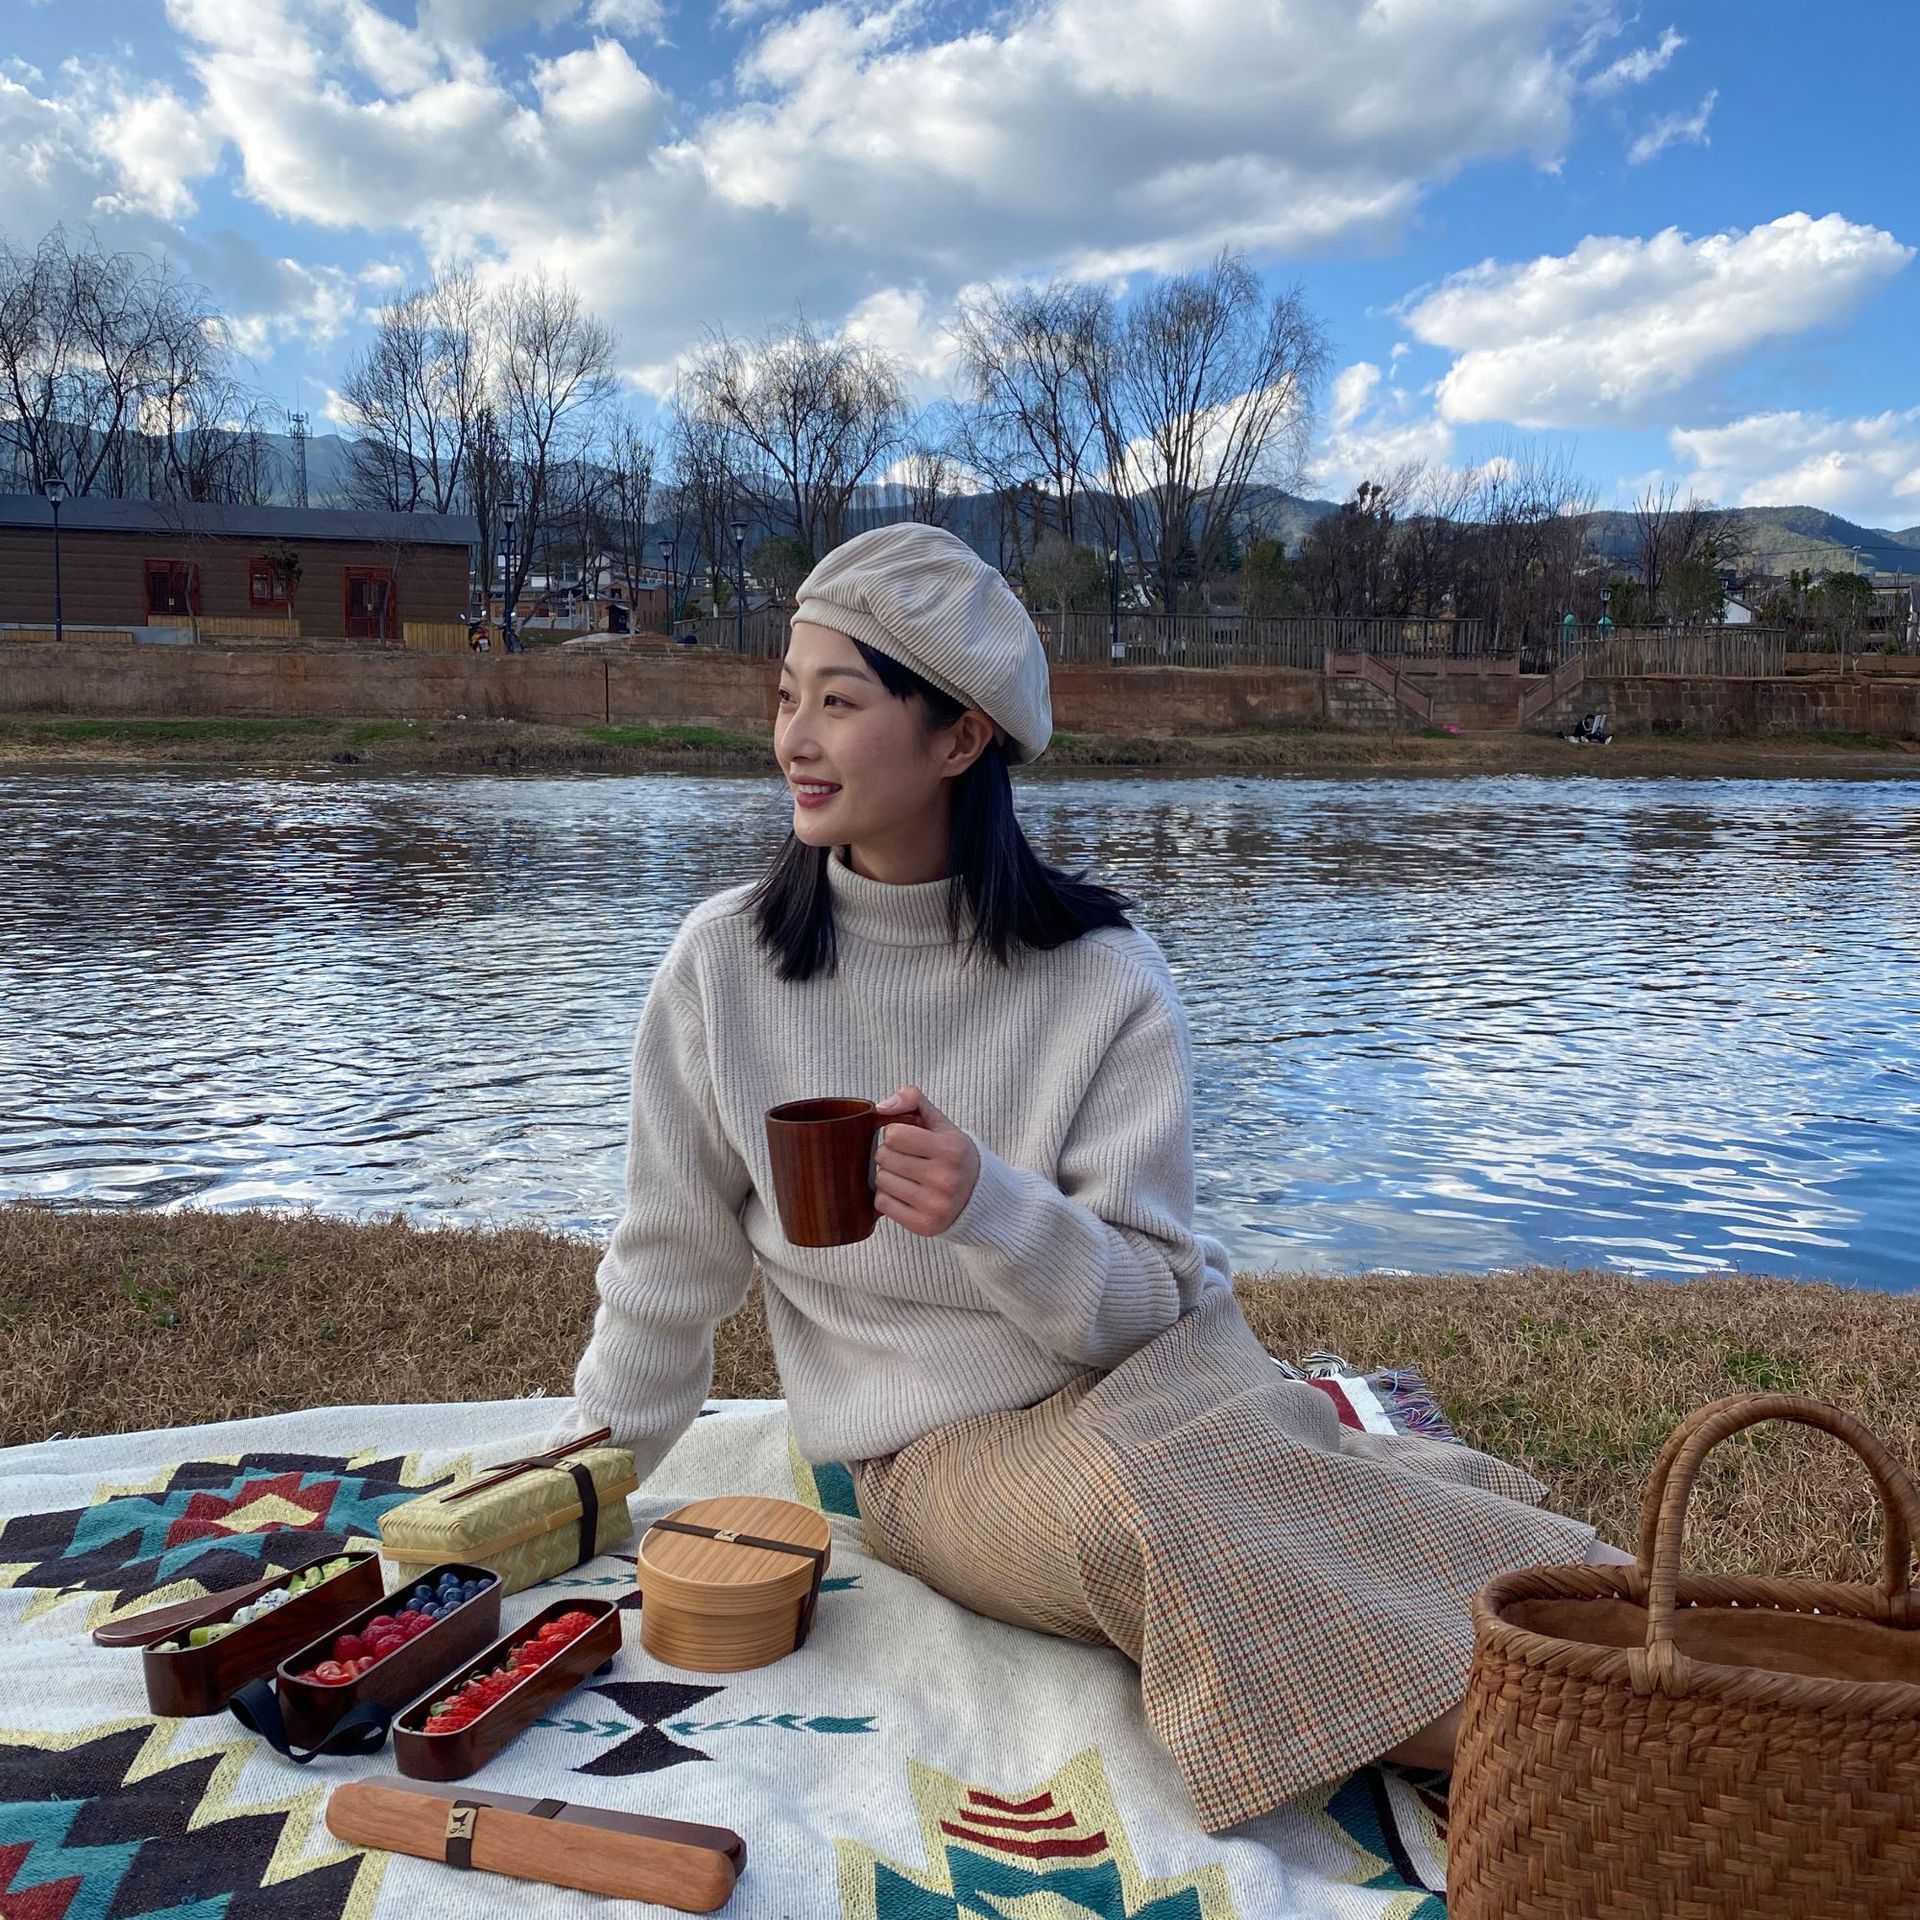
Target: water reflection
x=1662 y=1025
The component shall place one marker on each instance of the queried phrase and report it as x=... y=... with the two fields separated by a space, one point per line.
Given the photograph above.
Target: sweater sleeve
x=679 y=1261
x=1095 y=1262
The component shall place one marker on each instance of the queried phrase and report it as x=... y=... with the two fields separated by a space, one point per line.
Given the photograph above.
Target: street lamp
x=671 y=550
x=740 y=586
x=1113 y=601
x=57 y=492
x=509 y=513
x=1606 y=619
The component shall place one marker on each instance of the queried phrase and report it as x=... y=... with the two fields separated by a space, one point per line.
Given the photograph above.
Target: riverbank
x=119 y=1321
x=40 y=741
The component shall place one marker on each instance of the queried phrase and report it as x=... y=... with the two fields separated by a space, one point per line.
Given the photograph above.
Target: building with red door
x=316 y=573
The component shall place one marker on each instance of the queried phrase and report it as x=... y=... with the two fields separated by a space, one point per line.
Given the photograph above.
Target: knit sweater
x=1072 y=1073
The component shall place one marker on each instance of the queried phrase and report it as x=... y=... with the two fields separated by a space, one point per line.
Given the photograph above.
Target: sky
x=1673 y=243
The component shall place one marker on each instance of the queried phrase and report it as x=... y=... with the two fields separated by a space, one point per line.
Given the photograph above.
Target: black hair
x=1017 y=900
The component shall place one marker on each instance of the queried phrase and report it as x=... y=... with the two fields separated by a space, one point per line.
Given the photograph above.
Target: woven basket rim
x=1735 y=1685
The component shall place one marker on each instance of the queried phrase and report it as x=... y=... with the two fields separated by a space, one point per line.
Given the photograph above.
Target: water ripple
x=1653 y=1024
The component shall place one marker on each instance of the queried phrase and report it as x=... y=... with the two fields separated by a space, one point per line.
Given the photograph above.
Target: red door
x=371 y=608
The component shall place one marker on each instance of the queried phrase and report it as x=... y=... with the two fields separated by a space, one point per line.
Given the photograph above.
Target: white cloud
x=1607 y=334
x=901 y=320
x=315 y=304
x=648 y=17
x=1635 y=68
x=160 y=143
x=1867 y=469
x=1370 y=434
x=871 y=147
x=1677 y=129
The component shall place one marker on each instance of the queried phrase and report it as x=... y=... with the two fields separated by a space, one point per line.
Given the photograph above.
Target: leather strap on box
x=818 y=1555
x=361 y=1730
x=582 y=1480
x=462 y=1817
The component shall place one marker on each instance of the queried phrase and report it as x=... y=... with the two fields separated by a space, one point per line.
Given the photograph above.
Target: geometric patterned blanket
x=913 y=1761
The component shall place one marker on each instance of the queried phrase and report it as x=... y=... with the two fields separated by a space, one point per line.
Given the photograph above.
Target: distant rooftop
x=92 y=514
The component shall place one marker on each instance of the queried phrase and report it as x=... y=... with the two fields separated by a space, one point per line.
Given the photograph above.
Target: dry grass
x=1581 y=1377
x=119 y=1321
x=505 y=746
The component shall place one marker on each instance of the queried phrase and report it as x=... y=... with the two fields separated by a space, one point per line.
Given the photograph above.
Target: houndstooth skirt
x=1295 y=1594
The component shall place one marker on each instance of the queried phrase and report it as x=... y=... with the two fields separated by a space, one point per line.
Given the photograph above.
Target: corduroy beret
x=923 y=597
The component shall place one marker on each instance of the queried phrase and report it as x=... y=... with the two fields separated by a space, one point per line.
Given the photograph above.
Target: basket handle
x=1663 y=1508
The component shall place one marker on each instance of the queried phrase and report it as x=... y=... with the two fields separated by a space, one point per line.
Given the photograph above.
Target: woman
x=1054 y=1410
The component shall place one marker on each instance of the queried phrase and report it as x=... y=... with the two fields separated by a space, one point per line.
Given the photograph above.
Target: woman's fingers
x=914 y=1143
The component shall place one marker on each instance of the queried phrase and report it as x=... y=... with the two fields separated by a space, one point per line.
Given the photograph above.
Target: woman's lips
x=801 y=799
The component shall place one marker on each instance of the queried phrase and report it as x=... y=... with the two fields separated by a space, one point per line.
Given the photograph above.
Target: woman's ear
x=972 y=733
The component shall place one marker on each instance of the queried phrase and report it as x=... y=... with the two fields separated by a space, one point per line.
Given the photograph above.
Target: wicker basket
x=1639 y=1744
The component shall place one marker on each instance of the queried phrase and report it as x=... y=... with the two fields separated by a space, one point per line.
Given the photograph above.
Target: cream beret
x=925 y=598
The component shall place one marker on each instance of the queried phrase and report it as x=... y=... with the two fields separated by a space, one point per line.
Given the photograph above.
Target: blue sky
x=1676 y=242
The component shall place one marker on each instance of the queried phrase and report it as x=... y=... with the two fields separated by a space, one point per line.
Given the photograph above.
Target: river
x=1665 y=1025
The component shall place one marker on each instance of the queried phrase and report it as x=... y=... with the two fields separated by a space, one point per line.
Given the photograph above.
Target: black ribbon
x=818 y=1555
x=361 y=1730
x=589 y=1508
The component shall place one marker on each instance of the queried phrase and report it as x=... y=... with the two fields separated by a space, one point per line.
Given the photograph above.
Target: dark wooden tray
x=200 y=1680
x=452 y=1756
x=311 y=1707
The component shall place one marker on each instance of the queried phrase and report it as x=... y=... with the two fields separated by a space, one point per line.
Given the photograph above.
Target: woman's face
x=837 y=727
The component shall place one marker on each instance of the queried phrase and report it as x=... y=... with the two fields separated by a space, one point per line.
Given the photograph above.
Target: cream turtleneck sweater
x=1073 y=1074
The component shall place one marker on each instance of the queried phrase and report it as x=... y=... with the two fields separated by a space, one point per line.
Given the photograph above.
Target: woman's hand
x=924 y=1175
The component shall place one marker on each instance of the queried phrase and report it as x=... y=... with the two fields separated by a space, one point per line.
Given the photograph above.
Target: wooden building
x=308 y=572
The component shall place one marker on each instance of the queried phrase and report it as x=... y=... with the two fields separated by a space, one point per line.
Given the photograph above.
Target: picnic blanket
x=913 y=1761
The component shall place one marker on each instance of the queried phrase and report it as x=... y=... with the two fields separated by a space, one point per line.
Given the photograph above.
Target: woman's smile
x=813 y=793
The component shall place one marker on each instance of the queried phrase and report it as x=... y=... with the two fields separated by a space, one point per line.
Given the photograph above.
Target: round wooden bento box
x=732 y=1582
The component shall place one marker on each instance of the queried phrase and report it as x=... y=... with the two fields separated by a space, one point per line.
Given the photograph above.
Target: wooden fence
x=1741 y=653
x=435 y=636
x=1304 y=642
x=227 y=628
x=1229 y=640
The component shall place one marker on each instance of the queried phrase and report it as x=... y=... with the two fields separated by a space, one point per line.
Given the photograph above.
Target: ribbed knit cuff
x=991 y=1216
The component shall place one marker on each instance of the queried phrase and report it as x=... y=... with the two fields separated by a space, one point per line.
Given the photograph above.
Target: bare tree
x=555 y=368
x=628 y=460
x=1024 y=360
x=1531 y=515
x=701 y=498
x=412 y=398
x=1669 y=533
x=1347 y=560
x=806 y=419
x=932 y=474
x=116 y=375
x=1205 y=389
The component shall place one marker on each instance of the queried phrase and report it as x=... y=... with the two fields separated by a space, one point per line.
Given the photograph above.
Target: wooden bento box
x=455 y=1754
x=731 y=1582
x=312 y=1707
x=196 y=1680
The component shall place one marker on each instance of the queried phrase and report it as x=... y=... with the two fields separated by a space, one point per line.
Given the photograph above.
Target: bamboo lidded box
x=731 y=1582
x=526 y=1521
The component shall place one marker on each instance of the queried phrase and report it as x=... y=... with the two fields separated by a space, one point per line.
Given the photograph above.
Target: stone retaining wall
x=713 y=689
x=1840 y=703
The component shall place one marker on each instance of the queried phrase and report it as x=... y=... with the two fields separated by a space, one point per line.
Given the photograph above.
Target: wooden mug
x=823 y=1152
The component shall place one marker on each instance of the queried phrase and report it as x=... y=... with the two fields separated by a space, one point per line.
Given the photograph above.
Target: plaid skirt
x=1295 y=1594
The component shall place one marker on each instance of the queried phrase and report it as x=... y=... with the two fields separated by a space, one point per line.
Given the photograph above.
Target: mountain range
x=1766 y=539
